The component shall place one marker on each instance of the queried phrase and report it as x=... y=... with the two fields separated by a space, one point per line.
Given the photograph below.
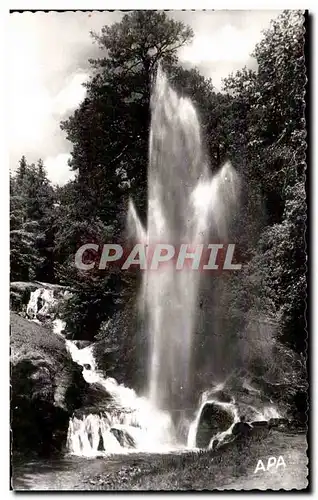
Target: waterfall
x=41 y=302
x=130 y=422
x=184 y=204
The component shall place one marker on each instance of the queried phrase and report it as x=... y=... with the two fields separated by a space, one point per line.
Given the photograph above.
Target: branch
x=119 y=155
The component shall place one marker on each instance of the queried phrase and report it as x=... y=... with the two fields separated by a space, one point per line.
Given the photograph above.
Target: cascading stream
x=130 y=423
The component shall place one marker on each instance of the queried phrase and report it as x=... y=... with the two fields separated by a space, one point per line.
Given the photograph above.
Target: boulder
x=46 y=388
x=107 y=360
x=215 y=418
x=100 y=446
x=123 y=437
x=260 y=424
x=81 y=344
x=260 y=430
x=20 y=292
x=222 y=396
x=95 y=400
x=278 y=423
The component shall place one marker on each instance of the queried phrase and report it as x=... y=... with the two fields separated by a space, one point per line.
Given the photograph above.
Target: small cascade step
x=100 y=446
x=126 y=421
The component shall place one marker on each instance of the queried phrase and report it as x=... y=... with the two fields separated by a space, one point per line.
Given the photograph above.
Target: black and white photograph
x=158 y=257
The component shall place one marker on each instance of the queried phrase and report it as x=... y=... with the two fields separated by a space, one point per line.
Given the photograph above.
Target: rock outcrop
x=38 y=301
x=214 y=419
x=20 y=292
x=95 y=400
x=46 y=387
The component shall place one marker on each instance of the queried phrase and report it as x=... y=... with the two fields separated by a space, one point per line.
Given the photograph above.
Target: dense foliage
x=31 y=220
x=257 y=121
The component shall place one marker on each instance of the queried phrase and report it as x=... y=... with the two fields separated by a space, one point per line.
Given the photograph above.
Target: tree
x=282 y=76
x=109 y=131
x=31 y=212
x=267 y=116
x=22 y=168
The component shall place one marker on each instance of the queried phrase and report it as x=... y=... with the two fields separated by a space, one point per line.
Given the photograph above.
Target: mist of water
x=185 y=202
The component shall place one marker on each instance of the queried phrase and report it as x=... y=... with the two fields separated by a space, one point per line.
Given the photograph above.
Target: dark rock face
x=260 y=430
x=20 y=292
x=46 y=387
x=260 y=424
x=100 y=443
x=95 y=399
x=82 y=343
x=214 y=418
x=107 y=359
x=279 y=423
x=223 y=396
x=123 y=437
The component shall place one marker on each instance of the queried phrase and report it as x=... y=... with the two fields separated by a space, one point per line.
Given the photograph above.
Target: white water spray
x=129 y=423
x=184 y=203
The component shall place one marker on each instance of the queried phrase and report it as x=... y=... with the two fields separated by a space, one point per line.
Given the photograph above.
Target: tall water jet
x=184 y=202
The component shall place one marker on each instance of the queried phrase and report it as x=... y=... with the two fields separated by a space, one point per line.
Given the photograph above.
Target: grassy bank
x=206 y=470
x=228 y=467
